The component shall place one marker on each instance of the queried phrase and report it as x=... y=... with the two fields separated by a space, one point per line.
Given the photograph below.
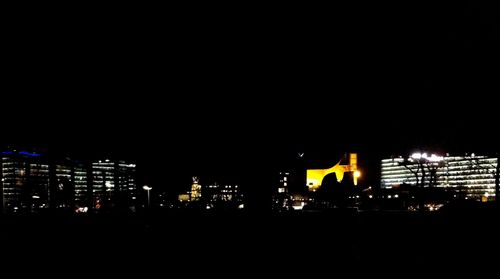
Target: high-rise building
x=30 y=181
x=471 y=176
x=25 y=181
x=126 y=183
x=62 y=192
x=195 y=189
x=81 y=185
x=113 y=184
x=281 y=194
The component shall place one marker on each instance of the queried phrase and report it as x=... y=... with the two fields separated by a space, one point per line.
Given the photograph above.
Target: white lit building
x=472 y=175
x=280 y=195
x=24 y=180
x=113 y=182
x=81 y=184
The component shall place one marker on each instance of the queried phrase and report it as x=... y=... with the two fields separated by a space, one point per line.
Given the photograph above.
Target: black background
x=187 y=89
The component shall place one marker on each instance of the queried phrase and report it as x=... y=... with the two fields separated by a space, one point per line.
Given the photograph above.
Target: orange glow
x=357 y=174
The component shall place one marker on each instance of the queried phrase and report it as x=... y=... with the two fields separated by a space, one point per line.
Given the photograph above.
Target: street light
x=357 y=175
x=147 y=188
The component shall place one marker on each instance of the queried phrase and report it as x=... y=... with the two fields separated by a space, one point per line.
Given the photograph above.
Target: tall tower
x=195 y=189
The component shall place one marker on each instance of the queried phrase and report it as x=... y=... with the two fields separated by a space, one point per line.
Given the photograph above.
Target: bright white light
x=435 y=158
x=107 y=160
x=432 y=158
x=82 y=210
x=486 y=194
x=208 y=207
x=109 y=184
x=389 y=196
x=370 y=196
x=36 y=197
x=416 y=156
x=396 y=196
x=146 y=187
x=241 y=206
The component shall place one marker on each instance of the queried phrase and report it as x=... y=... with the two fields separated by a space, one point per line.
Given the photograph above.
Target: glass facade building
x=471 y=176
x=25 y=181
x=30 y=181
x=113 y=183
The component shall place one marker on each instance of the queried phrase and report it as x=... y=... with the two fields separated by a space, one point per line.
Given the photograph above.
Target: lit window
x=281 y=190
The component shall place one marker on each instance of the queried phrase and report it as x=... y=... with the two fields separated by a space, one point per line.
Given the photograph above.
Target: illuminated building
x=30 y=181
x=81 y=184
x=62 y=193
x=113 y=183
x=195 y=189
x=184 y=197
x=126 y=183
x=25 y=181
x=281 y=195
x=103 y=183
x=283 y=185
x=223 y=193
x=315 y=176
x=469 y=176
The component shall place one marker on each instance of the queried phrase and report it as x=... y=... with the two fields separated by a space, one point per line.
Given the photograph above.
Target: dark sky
x=206 y=87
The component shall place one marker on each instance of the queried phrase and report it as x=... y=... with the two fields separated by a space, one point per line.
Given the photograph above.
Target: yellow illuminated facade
x=195 y=189
x=315 y=176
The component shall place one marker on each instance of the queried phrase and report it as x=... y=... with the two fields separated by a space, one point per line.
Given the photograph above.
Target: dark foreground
x=215 y=243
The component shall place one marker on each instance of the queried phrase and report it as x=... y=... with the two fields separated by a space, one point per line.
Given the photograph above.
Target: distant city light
x=82 y=210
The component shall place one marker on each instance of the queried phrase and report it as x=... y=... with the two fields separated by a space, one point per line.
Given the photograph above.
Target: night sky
x=187 y=90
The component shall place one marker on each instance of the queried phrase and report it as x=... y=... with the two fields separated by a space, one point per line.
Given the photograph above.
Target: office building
x=31 y=182
x=113 y=184
x=25 y=181
x=469 y=176
x=281 y=193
